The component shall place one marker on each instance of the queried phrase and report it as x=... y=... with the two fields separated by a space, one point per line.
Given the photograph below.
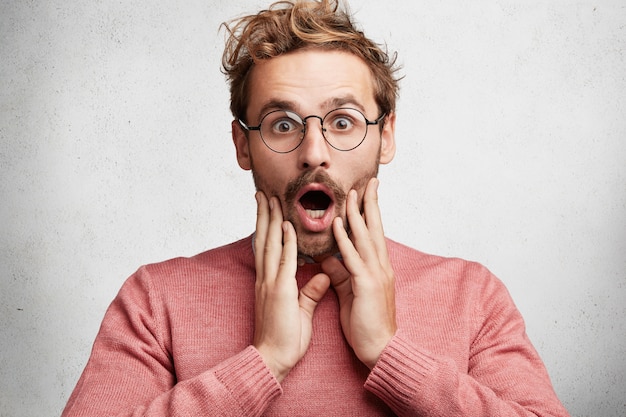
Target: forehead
x=310 y=81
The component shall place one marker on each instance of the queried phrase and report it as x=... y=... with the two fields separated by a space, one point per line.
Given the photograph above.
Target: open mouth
x=315 y=203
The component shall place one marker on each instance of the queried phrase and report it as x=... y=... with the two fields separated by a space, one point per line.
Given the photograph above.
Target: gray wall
x=115 y=151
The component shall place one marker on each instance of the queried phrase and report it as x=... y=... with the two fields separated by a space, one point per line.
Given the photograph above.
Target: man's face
x=312 y=181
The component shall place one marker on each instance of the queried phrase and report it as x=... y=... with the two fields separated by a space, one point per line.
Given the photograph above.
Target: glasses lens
x=282 y=131
x=345 y=129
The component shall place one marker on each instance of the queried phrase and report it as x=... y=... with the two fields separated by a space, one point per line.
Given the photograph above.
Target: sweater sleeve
x=505 y=376
x=131 y=373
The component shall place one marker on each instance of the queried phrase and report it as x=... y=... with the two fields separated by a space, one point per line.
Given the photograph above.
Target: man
x=253 y=328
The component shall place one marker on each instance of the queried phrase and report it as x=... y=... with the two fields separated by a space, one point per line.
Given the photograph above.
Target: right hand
x=283 y=316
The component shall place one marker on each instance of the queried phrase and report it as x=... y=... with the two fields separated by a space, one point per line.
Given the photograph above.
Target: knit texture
x=176 y=341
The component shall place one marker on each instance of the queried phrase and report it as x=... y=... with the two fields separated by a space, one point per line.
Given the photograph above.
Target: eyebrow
x=275 y=104
x=327 y=105
x=341 y=101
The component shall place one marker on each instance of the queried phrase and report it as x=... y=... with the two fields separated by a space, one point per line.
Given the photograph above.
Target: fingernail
x=272 y=203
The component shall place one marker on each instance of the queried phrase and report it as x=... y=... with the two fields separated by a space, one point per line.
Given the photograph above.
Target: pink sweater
x=176 y=342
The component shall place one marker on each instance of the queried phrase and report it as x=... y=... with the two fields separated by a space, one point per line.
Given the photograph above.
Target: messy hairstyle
x=297 y=24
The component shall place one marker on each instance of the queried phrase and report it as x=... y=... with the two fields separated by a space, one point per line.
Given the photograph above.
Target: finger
x=337 y=272
x=373 y=219
x=289 y=255
x=313 y=292
x=349 y=253
x=262 y=225
x=370 y=206
x=360 y=234
x=273 y=249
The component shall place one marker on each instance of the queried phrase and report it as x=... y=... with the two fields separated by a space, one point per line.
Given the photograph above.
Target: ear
x=388 y=139
x=242 y=146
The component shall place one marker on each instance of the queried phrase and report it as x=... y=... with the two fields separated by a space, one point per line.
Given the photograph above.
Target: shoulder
x=231 y=254
x=208 y=268
x=459 y=283
x=415 y=266
x=404 y=257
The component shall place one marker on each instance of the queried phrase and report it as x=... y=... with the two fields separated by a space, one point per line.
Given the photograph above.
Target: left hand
x=365 y=281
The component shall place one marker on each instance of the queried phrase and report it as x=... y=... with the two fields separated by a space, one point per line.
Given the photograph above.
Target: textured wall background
x=115 y=151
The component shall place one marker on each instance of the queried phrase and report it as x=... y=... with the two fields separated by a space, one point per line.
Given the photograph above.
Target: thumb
x=313 y=292
x=339 y=275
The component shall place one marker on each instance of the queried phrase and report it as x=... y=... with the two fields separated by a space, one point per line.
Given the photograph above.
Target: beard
x=315 y=244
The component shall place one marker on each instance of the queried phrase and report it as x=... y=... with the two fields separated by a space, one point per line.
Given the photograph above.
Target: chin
x=315 y=248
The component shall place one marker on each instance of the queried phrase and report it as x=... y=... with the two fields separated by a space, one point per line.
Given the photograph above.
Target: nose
x=314 y=151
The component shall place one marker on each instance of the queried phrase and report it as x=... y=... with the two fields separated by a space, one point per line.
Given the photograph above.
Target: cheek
x=361 y=166
x=270 y=175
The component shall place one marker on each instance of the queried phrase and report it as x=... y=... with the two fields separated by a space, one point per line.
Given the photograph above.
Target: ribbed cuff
x=249 y=381
x=399 y=374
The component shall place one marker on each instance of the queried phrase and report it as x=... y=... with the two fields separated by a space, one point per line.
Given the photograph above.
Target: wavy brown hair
x=291 y=25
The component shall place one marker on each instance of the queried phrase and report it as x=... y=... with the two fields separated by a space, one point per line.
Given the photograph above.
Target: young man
x=253 y=328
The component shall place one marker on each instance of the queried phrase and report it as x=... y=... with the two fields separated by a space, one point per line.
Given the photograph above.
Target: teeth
x=315 y=214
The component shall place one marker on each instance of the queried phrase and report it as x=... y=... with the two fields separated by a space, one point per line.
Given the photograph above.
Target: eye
x=341 y=123
x=285 y=126
x=281 y=123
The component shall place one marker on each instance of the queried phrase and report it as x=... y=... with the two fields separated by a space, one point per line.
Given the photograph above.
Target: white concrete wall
x=115 y=151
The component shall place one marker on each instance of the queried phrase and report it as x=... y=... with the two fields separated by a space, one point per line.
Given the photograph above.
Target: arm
x=505 y=376
x=130 y=371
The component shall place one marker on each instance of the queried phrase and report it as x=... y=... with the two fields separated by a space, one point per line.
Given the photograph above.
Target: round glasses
x=283 y=131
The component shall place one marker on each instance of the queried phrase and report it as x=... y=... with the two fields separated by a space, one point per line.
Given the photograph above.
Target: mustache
x=309 y=177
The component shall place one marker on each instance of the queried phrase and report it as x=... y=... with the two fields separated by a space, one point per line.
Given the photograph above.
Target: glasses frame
x=304 y=127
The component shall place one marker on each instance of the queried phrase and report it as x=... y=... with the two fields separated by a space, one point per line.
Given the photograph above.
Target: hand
x=283 y=318
x=365 y=281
